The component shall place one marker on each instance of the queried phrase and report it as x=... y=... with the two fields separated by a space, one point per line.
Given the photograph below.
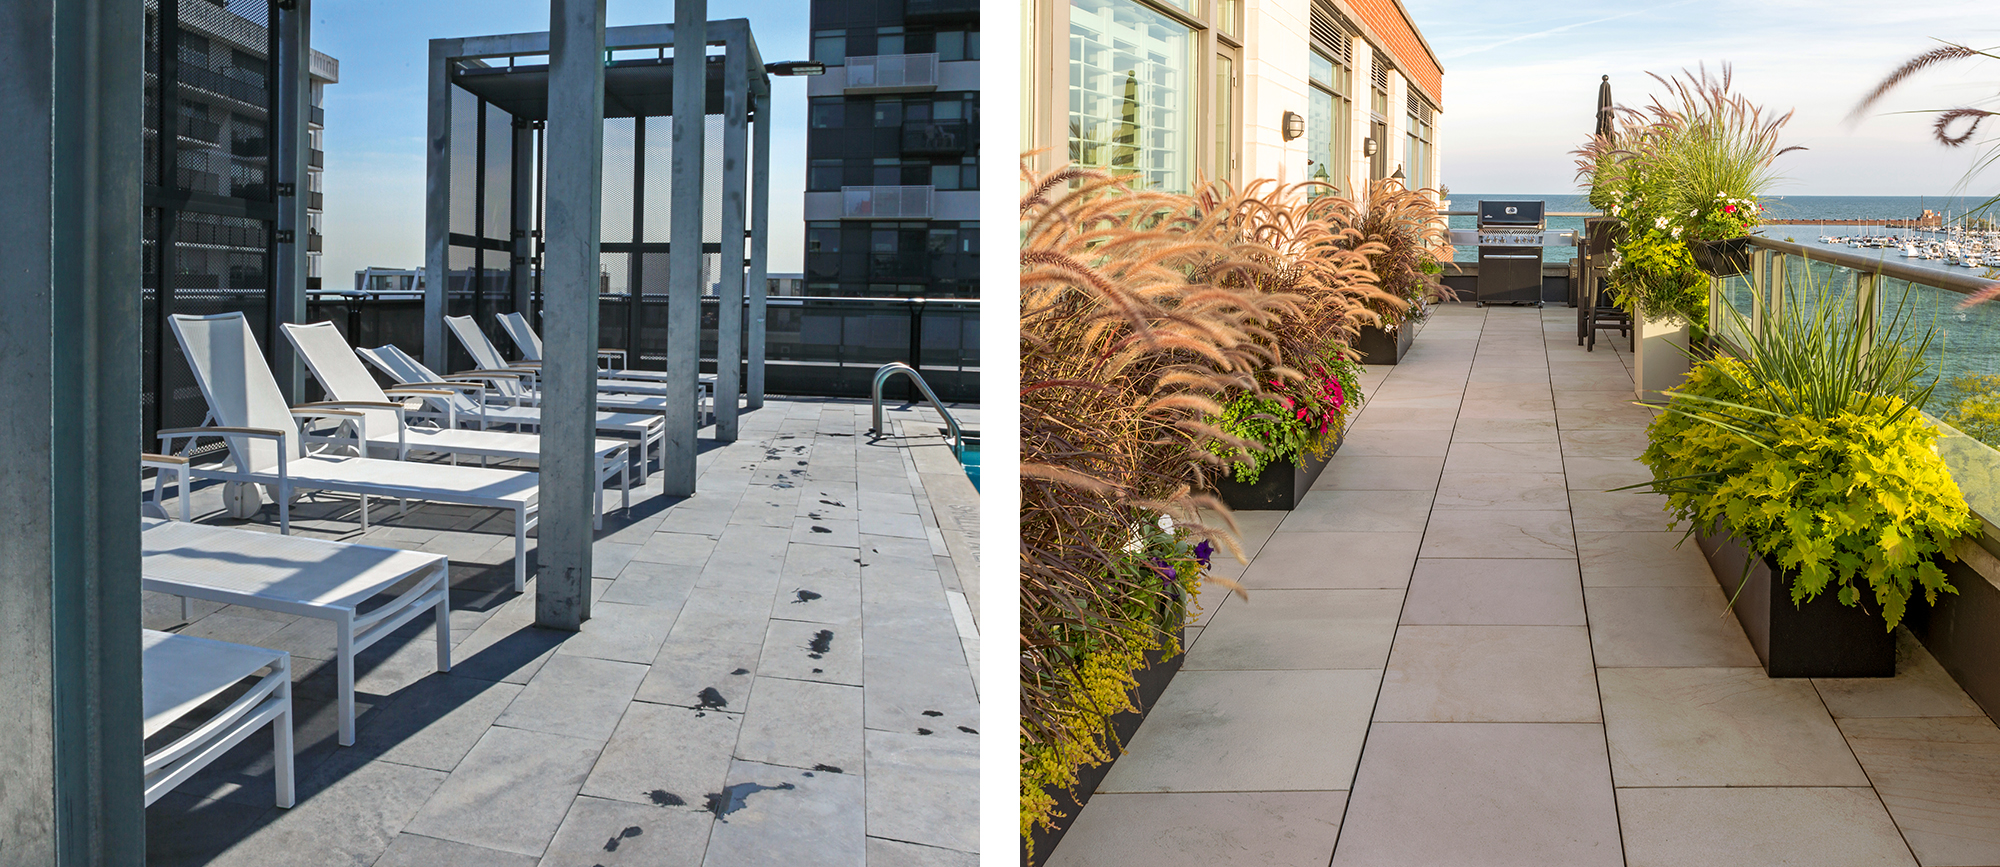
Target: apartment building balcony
x=937 y=138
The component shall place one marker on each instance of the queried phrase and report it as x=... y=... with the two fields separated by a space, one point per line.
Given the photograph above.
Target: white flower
x=1693 y=212
x=1659 y=222
x=1136 y=544
x=1677 y=233
x=1166 y=523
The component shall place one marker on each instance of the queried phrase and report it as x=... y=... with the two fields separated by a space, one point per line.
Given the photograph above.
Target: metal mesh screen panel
x=617 y=200
x=499 y=172
x=464 y=161
x=222 y=118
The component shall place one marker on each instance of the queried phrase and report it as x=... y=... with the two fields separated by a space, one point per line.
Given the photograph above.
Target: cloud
x=1554 y=30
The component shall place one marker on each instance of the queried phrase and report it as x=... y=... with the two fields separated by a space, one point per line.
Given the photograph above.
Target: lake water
x=1780 y=208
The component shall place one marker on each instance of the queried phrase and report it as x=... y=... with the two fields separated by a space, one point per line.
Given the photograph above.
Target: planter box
x=1821 y=638
x=1659 y=355
x=1153 y=679
x=1728 y=257
x=1282 y=484
x=1376 y=346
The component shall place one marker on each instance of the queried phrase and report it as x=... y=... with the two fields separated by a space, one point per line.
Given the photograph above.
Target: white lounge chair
x=180 y=673
x=331 y=581
x=530 y=344
x=266 y=446
x=471 y=405
x=349 y=386
x=613 y=393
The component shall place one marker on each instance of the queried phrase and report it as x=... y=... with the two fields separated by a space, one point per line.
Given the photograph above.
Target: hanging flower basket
x=1728 y=257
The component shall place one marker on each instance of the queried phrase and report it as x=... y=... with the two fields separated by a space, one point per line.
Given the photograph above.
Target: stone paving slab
x=685 y=724
x=1542 y=604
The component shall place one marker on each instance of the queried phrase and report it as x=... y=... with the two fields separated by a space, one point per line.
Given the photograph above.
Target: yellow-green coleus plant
x=1857 y=501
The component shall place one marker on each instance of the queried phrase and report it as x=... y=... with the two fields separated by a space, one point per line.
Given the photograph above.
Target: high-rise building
x=892 y=177
x=325 y=71
x=1339 y=91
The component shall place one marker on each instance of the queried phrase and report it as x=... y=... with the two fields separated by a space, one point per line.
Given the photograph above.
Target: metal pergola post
x=760 y=224
x=690 y=113
x=70 y=223
x=729 y=293
x=437 y=206
x=569 y=311
x=292 y=34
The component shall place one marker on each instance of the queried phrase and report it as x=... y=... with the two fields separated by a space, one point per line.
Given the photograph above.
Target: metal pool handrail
x=882 y=375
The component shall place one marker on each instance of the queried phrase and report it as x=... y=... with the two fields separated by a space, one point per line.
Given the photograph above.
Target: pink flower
x=1729 y=209
x=1302 y=412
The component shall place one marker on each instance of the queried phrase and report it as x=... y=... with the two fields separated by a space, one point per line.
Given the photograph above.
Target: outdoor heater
x=1510 y=252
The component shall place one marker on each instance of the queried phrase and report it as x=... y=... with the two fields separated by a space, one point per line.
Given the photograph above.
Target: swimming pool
x=968 y=457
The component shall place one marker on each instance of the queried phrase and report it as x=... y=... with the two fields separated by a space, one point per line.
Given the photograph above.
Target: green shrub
x=1304 y=416
x=1857 y=501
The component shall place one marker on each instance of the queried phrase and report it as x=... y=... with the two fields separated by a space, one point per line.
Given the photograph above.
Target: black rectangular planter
x=1821 y=638
x=1282 y=484
x=1376 y=346
x=1153 y=679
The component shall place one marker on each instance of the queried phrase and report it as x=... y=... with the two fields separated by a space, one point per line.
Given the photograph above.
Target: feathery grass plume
x=1123 y=358
x=1943 y=125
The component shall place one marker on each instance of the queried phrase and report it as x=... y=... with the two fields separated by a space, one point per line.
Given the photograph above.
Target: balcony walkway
x=1461 y=651
x=710 y=712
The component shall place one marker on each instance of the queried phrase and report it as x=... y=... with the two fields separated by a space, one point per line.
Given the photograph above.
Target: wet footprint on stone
x=819 y=529
x=822 y=642
x=933 y=713
x=805 y=596
x=664 y=798
x=611 y=845
x=968 y=730
x=923 y=731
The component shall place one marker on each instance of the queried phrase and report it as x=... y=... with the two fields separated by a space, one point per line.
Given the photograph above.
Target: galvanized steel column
x=677 y=454
x=71 y=786
x=760 y=226
x=521 y=223
x=729 y=300
x=569 y=310
x=293 y=66
x=437 y=204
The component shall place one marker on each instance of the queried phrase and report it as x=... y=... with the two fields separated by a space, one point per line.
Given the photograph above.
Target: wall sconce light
x=1295 y=125
x=1368 y=146
x=1398 y=174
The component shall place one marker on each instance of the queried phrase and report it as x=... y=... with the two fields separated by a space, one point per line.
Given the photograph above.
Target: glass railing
x=1901 y=296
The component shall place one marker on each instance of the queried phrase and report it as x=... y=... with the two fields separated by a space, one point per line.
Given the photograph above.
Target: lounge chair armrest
x=150 y=459
x=489 y=374
x=420 y=392
x=302 y=412
x=533 y=365
x=342 y=404
x=264 y=432
x=463 y=387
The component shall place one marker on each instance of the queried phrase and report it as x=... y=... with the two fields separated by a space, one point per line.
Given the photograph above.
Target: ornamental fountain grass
x=1143 y=314
x=1683 y=177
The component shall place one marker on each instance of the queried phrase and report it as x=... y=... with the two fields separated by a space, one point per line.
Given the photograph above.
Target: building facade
x=892 y=150
x=325 y=71
x=1178 y=91
x=220 y=204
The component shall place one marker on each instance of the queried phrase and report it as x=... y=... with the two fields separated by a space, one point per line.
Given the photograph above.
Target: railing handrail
x=1548 y=214
x=882 y=375
x=1965 y=284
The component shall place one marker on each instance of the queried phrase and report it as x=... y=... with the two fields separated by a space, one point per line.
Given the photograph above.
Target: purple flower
x=1203 y=550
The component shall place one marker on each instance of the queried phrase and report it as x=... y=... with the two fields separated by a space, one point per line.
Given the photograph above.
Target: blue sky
x=1521 y=82
x=374 y=144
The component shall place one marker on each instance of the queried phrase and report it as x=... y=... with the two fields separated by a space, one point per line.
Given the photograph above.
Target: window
x=888 y=111
x=822 y=237
x=830 y=47
x=1329 y=117
x=1417 y=144
x=1131 y=98
x=889 y=40
x=1225 y=156
x=944 y=177
x=824 y=175
x=951 y=45
x=829 y=114
x=888 y=172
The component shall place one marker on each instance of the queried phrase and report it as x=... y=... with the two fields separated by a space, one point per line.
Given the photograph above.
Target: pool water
x=968 y=457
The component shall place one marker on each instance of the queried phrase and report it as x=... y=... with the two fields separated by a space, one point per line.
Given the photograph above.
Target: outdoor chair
x=267 y=447
x=617 y=379
x=179 y=674
x=331 y=581
x=350 y=386
x=1594 y=311
x=621 y=395
x=470 y=404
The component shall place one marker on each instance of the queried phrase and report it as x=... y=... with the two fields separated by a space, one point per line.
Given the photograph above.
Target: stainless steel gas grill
x=1511 y=237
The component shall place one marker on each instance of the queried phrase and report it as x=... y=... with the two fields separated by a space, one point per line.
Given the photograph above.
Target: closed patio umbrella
x=1604 y=108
